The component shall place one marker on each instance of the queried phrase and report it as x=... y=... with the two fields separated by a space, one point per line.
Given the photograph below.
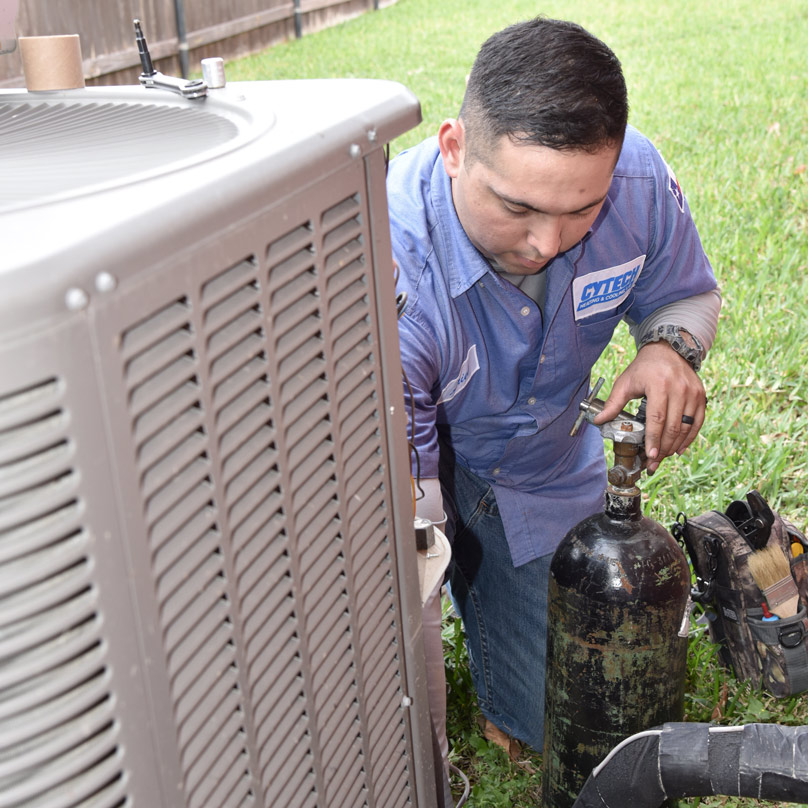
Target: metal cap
x=213 y=72
x=424 y=533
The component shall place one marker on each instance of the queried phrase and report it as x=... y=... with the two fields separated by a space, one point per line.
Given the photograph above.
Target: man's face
x=523 y=204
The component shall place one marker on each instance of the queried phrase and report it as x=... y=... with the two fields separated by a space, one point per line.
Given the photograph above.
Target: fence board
x=231 y=28
x=227 y=29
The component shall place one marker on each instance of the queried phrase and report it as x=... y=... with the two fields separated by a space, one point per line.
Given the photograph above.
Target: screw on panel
x=76 y=299
x=372 y=135
x=105 y=282
x=355 y=151
x=406 y=702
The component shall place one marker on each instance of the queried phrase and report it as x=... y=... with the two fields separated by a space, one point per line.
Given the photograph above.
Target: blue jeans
x=503 y=608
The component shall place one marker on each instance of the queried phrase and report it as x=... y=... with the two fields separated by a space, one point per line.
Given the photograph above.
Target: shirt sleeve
x=676 y=266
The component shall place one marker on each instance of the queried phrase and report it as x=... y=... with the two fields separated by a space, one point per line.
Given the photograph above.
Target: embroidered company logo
x=605 y=289
x=609 y=289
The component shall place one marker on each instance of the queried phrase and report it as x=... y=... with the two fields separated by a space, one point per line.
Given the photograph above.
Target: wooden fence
x=179 y=32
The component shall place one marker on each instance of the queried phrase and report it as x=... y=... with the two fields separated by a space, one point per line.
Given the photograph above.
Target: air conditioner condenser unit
x=208 y=585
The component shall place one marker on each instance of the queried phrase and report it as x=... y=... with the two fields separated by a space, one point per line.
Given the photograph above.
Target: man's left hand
x=673 y=390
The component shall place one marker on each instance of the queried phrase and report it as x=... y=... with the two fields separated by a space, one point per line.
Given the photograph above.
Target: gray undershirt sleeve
x=697 y=314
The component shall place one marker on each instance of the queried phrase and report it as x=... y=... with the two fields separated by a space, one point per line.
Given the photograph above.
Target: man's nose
x=544 y=236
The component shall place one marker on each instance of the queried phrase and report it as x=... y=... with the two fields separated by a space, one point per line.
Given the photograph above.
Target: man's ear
x=452 y=142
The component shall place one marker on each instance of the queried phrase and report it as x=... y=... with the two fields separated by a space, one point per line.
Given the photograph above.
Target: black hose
x=182 y=37
x=298 y=20
x=762 y=761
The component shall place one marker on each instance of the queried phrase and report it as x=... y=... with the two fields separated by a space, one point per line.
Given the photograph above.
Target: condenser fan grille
x=53 y=149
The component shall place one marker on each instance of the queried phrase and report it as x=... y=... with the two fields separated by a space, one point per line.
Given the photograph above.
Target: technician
x=524 y=233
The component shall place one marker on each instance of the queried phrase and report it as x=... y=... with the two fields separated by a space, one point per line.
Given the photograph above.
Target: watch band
x=687 y=345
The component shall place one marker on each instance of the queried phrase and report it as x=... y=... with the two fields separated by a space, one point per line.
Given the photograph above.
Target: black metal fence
x=179 y=32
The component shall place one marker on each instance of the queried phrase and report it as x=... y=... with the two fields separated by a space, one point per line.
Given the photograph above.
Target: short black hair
x=548 y=82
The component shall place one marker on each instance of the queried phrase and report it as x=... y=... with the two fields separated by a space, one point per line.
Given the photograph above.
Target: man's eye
x=516 y=210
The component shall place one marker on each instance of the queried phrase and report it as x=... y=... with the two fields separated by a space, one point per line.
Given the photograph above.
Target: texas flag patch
x=675 y=189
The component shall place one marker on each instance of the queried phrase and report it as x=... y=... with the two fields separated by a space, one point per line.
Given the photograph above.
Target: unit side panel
x=323 y=335
x=74 y=720
x=246 y=410
x=153 y=354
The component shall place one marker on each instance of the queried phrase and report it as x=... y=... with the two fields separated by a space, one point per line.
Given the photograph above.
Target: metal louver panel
x=253 y=401
x=58 y=730
x=324 y=373
x=234 y=324
x=369 y=568
x=163 y=386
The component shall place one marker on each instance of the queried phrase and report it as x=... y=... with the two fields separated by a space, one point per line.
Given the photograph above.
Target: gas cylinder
x=616 y=625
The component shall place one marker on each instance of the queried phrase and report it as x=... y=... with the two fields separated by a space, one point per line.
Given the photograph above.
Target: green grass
x=722 y=88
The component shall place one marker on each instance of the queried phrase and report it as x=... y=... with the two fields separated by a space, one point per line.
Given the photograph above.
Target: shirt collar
x=464 y=263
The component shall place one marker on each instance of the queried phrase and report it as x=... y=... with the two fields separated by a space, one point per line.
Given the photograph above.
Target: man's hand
x=672 y=389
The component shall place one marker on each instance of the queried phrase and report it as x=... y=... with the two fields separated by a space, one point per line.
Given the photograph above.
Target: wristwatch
x=687 y=345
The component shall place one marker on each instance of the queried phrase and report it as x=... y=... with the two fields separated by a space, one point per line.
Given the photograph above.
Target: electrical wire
x=417 y=481
x=466 y=785
x=401 y=303
x=417 y=490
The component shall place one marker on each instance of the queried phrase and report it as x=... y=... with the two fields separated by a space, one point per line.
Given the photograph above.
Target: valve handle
x=585 y=406
x=625 y=428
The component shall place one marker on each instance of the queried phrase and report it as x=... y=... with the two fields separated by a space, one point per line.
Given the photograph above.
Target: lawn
x=722 y=89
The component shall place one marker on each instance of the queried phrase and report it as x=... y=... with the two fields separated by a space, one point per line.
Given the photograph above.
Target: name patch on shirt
x=605 y=289
x=469 y=367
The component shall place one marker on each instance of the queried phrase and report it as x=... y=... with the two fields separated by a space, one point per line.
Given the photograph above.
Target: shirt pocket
x=593 y=334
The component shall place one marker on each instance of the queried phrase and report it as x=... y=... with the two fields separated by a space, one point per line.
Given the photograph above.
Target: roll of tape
x=52 y=62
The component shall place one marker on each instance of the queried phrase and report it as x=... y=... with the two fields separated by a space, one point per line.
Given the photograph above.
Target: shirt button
x=525 y=311
x=541 y=359
x=531 y=400
x=496 y=471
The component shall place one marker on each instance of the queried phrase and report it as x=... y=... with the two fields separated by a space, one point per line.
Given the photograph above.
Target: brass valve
x=627 y=432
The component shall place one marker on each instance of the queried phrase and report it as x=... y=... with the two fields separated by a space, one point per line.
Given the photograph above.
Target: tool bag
x=774 y=651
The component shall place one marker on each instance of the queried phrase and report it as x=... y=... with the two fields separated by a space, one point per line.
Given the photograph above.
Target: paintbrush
x=771 y=570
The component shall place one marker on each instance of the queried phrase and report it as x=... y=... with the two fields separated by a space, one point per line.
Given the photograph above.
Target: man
x=524 y=233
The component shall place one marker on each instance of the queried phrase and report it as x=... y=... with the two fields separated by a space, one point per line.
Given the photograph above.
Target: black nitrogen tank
x=616 y=626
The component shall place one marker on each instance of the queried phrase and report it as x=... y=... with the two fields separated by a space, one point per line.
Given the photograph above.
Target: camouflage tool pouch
x=773 y=651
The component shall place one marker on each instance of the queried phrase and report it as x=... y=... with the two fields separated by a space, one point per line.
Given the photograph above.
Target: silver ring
x=688 y=419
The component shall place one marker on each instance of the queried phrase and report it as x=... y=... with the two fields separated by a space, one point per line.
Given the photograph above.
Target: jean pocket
x=486 y=507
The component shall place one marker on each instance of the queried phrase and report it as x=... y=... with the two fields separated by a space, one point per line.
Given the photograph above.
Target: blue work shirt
x=499 y=380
